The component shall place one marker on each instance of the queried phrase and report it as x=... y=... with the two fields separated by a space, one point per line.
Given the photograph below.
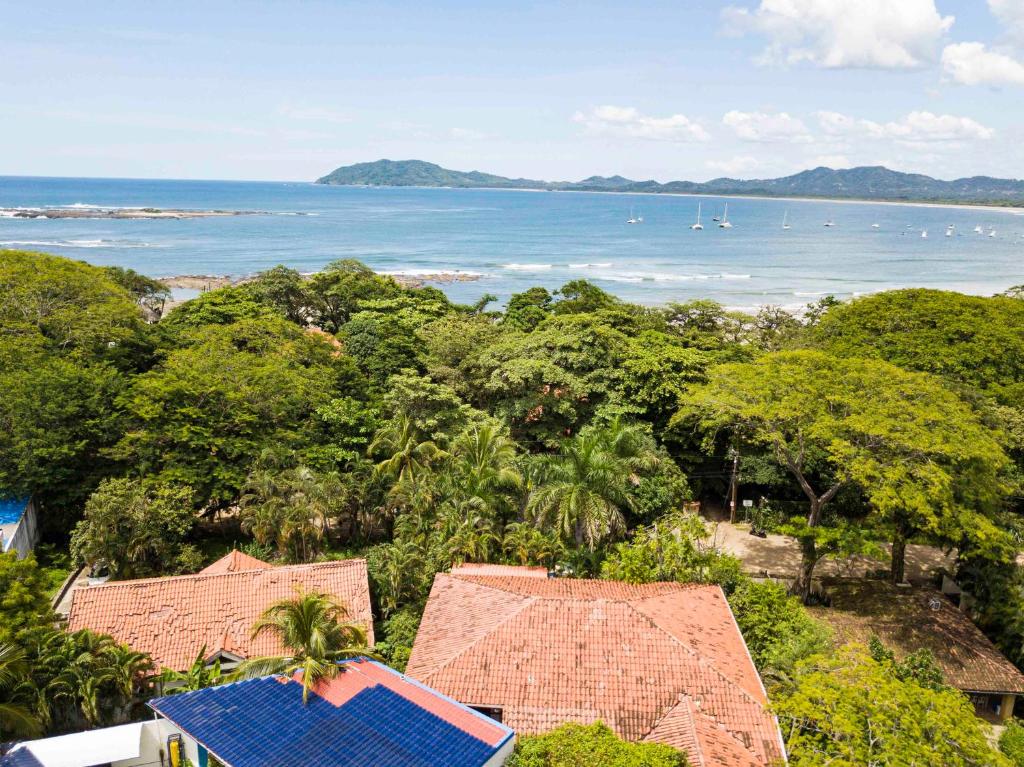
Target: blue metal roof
x=11 y=509
x=21 y=757
x=263 y=723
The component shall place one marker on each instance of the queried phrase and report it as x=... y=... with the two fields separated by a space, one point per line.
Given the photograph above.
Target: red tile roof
x=235 y=562
x=174 y=618
x=661 y=661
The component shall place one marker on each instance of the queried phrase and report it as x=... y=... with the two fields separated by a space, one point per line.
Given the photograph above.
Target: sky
x=690 y=89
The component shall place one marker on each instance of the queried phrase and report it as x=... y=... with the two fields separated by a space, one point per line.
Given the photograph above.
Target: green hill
x=865 y=183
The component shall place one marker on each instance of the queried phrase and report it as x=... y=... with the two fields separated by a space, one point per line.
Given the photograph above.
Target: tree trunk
x=805 y=575
x=897 y=571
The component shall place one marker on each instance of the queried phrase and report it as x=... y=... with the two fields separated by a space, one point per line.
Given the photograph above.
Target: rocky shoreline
x=213 y=281
x=123 y=213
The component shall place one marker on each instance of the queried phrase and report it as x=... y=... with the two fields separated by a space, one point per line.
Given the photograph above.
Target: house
x=19 y=529
x=128 y=745
x=906 y=619
x=367 y=716
x=660 y=662
x=175 y=618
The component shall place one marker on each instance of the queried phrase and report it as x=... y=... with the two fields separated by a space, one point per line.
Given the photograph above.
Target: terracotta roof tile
x=652 y=661
x=174 y=618
x=907 y=619
x=235 y=562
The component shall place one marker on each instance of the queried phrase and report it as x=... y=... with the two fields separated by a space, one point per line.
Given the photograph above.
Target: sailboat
x=724 y=223
x=977 y=229
x=876 y=226
x=632 y=219
x=924 y=234
x=829 y=223
x=785 y=215
x=992 y=233
x=949 y=230
x=698 y=226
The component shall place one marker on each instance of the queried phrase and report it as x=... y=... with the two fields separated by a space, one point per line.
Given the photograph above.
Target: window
x=494 y=712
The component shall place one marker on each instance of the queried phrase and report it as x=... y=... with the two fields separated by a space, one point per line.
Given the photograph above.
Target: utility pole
x=734 y=484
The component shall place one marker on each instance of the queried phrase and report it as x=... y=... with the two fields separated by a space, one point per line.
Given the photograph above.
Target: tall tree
x=911 y=446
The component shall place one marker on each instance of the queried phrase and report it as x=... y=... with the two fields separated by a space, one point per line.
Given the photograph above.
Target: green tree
x=579 y=745
x=778 y=631
x=198 y=676
x=914 y=449
x=524 y=544
x=16 y=715
x=205 y=414
x=313 y=628
x=848 y=709
x=970 y=339
x=24 y=603
x=675 y=548
x=580 y=492
x=289 y=507
x=133 y=529
x=1011 y=743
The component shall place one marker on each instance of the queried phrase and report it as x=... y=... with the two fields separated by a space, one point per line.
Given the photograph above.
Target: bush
x=399 y=634
x=577 y=745
x=1011 y=743
x=776 y=627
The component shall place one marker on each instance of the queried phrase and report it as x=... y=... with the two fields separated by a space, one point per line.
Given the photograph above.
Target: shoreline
x=1016 y=209
x=205 y=282
x=128 y=214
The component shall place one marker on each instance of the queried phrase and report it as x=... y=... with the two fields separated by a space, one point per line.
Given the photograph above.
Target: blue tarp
x=11 y=510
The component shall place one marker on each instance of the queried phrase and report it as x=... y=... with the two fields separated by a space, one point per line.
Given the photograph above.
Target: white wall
x=26 y=533
x=502 y=756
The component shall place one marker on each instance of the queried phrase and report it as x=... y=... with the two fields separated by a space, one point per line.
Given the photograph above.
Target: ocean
x=512 y=240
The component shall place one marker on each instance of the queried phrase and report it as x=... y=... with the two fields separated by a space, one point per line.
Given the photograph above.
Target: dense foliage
x=343 y=414
x=577 y=745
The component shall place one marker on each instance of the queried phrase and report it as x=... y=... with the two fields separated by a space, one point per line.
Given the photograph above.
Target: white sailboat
x=992 y=233
x=724 y=223
x=876 y=226
x=633 y=219
x=698 y=226
x=829 y=223
x=977 y=229
x=924 y=234
x=949 y=230
x=785 y=219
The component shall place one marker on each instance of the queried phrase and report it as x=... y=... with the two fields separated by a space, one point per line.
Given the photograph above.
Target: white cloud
x=916 y=127
x=880 y=34
x=734 y=166
x=1011 y=14
x=974 y=64
x=766 y=126
x=627 y=121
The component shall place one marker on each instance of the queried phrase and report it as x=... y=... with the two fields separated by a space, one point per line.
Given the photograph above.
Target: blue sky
x=664 y=90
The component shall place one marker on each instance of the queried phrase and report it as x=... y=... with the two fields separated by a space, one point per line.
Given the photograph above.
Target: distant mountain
x=865 y=183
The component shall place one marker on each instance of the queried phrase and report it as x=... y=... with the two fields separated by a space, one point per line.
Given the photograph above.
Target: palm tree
x=130 y=672
x=524 y=544
x=408 y=455
x=484 y=471
x=312 y=626
x=199 y=675
x=468 y=534
x=16 y=718
x=581 y=492
x=397 y=572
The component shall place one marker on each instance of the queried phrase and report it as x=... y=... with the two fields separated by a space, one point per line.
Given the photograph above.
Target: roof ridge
x=674 y=586
x=686 y=698
x=527 y=601
x=705 y=663
x=201 y=575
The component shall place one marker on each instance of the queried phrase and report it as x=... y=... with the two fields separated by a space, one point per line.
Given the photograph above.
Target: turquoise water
x=513 y=240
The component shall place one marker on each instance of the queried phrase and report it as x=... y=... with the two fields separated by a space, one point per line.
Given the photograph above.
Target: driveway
x=778 y=556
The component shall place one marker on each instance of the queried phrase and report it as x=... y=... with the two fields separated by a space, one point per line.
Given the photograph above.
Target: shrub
x=577 y=745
